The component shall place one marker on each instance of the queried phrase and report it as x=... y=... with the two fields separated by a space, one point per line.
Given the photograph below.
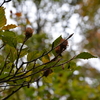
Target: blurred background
x=50 y=19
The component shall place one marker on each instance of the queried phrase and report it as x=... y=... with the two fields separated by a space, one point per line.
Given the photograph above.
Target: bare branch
x=5 y=1
x=20 y=52
x=2 y=46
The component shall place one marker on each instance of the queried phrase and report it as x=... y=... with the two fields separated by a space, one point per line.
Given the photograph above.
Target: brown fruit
x=47 y=72
x=28 y=32
x=59 y=49
x=64 y=44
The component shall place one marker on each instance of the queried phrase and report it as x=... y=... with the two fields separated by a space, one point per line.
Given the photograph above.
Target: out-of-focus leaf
x=28 y=78
x=6 y=69
x=35 y=71
x=1 y=58
x=85 y=55
x=23 y=52
x=9 y=37
x=13 y=54
x=32 y=55
x=45 y=59
x=4 y=75
x=11 y=51
x=2 y=17
x=7 y=27
x=48 y=79
x=29 y=91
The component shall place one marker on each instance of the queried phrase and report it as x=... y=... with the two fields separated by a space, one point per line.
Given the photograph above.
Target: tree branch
x=18 y=55
x=4 y=2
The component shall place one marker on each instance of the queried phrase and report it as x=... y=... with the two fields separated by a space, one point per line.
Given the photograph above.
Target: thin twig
x=66 y=62
x=18 y=55
x=4 y=2
x=2 y=46
x=55 y=65
x=23 y=76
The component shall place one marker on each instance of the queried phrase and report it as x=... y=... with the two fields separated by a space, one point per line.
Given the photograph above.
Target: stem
x=4 y=2
x=18 y=55
x=2 y=46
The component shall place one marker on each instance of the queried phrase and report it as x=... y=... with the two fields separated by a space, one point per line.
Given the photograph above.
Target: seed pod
x=64 y=44
x=47 y=72
x=59 y=49
x=28 y=32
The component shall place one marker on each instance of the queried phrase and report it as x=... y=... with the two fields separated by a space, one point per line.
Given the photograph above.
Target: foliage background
x=81 y=81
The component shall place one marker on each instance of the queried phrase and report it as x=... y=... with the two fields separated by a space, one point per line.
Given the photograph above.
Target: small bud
x=28 y=32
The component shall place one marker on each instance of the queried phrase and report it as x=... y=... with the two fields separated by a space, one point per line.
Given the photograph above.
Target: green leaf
x=32 y=55
x=49 y=78
x=29 y=91
x=45 y=59
x=9 y=37
x=13 y=54
x=2 y=17
x=27 y=74
x=85 y=55
x=23 y=52
x=55 y=43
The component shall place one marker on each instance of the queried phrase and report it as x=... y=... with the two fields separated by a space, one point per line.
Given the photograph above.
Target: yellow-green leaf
x=49 y=78
x=45 y=59
x=7 y=27
x=2 y=16
x=28 y=78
